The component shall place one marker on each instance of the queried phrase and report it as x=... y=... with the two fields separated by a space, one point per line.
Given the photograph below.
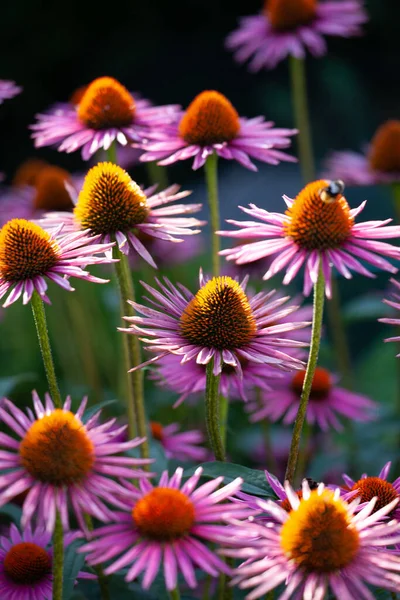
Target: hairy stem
x=213 y=413
x=211 y=172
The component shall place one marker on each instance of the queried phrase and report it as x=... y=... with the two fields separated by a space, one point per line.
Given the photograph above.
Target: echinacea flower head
x=26 y=559
x=220 y=324
x=111 y=206
x=378 y=164
x=320 y=545
x=165 y=527
x=394 y=302
x=211 y=124
x=327 y=401
x=29 y=255
x=62 y=462
x=181 y=445
x=317 y=230
x=106 y=112
x=376 y=487
x=8 y=89
x=291 y=27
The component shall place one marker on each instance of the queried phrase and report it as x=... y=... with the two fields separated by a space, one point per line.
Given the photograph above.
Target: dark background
x=171 y=50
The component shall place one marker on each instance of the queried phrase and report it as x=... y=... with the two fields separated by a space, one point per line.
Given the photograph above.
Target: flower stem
x=211 y=173
x=396 y=200
x=339 y=337
x=132 y=355
x=318 y=310
x=39 y=316
x=157 y=174
x=58 y=559
x=299 y=95
x=112 y=153
x=223 y=415
x=213 y=413
x=174 y=594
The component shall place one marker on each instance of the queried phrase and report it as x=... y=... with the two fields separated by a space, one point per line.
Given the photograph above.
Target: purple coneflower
x=8 y=89
x=319 y=545
x=29 y=255
x=182 y=445
x=376 y=487
x=317 y=229
x=219 y=323
x=112 y=206
x=326 y=401
x=106 y=112
x=163 y=527
x=26 y=559
x=379 y=164
x=290 y=27
x=62 y=462
x=211 y=124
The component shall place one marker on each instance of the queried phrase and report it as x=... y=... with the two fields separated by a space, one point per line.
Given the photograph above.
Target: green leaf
x=254 y=480
x=160 y=463
x=95 y=408
x=12 y=511
x=7 y=384
x=73 y=563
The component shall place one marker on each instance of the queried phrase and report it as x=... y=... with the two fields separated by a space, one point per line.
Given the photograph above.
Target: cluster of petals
x=265 y=46
x=267 y=565
x=256 y=138
x=74 y=252
x=95 y=489
x=164 y=223
x=180 y=445
x=322 y=409
x=161 y=326
x=8 y=89
x=362 y=242
x=61 y=126
x=354 y=168
x=394 y=302
x=210 y=506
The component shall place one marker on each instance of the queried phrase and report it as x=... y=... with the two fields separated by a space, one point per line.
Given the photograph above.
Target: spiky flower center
x=209 y=119
x=219 y=316
x=320 y=387
x=285 y=15
x=318 y=536
x=385 y=148
x=317 y=220
x=57 y=450
x=26 y=251
x=110 y=201
x=369 y=487
x=78 y=94
x=106 y=103
x=164 y=514
x=156 y=431
x=51 y=193
x=27 y=173
x=27 y=564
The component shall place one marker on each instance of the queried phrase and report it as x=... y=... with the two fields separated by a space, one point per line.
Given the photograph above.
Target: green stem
x=101 y=578
x=132 y=352
x=318 y=310
x=157 y=174
x=211 y=173
x=174 y=594
x=299 y=95
x=223 y=415
x=39 y=316
x=207 y=587
x=303 y=452
x=112 y=153
x=213 y=413
x=58 y=559
x=339 y=337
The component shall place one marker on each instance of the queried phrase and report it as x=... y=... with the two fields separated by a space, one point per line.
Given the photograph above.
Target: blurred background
x=169 y=52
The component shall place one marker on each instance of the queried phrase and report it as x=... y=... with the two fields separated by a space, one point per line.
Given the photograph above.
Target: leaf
x=254 y=480
x=12 y=511
x=7 y=384
x=95 y=408
x=160 y=463
x=73 y=563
